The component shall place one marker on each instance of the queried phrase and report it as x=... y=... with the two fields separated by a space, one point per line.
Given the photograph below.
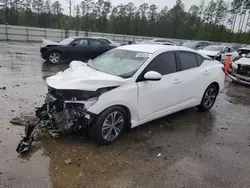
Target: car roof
x=222 y=46
x=152 y=48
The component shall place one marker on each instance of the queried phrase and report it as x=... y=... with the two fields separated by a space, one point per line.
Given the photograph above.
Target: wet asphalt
x=185 y=150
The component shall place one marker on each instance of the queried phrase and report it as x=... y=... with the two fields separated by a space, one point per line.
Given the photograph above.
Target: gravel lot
x=187 y=149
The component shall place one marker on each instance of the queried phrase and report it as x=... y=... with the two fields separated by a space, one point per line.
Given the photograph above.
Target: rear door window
x=93 y=42
x=187 y=60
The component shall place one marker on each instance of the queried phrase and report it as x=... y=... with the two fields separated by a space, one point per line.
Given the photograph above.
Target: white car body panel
x=232 y=55
x=212 y=53
x=243 y=61
x=145 y=100
x=81 y=77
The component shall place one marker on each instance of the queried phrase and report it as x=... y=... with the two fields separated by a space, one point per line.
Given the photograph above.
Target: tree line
x=218 y=20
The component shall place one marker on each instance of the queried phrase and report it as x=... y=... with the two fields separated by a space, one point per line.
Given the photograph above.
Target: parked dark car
x=73 y=48
x=196 y=45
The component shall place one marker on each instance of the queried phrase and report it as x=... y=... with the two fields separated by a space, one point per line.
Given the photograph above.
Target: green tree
x=38 y=6
x=152 y=16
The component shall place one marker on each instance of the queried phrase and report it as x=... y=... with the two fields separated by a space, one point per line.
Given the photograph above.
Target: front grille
x=243 y=70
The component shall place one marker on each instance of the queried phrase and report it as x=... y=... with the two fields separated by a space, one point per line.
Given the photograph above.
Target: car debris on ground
x=68 y=161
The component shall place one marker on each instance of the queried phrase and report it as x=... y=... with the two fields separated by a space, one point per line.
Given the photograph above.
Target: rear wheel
x=55 y=57
x=108 y=125
x=209 y=98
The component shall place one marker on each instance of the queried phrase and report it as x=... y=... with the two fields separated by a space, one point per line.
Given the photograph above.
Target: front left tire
x=54 y=58
x=108 y=125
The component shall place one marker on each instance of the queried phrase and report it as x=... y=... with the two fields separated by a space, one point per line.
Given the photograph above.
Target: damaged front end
x=240 y=73
x=64 y=111
x=70 y=94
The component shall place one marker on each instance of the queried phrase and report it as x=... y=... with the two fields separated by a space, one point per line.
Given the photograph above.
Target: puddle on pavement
x=135 y=153
x=238 y=94
x=132 y=161
x=50 y=70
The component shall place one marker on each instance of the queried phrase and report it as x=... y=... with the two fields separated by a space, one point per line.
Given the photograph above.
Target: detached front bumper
x=239 y=78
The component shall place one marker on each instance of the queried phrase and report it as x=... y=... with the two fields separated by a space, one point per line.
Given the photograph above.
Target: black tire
x=98 y=131
x=54 y=58
x=210 y=94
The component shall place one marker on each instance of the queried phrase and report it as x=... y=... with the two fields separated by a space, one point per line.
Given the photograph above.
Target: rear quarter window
x=200 y=59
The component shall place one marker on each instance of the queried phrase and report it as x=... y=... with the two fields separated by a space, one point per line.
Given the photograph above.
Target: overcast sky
x=159 y=3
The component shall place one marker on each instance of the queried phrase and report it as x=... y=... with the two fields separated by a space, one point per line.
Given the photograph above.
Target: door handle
x=176 y=81
x=206 y=72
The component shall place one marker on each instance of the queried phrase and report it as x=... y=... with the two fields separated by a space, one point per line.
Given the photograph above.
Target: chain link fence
x=35 y=34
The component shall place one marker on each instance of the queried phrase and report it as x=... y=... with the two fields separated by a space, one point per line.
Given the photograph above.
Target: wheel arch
x=128 y=113
x=216 y=84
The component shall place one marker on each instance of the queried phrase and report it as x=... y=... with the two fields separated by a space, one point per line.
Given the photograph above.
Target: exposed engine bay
x=63 y=111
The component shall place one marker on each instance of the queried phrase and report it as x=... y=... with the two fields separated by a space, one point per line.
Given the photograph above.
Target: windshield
x=123 y=63
x=66 y=41
x=213 y=48
x=189 y=43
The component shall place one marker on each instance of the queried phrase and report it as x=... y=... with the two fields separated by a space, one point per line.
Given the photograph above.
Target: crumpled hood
x=46 y=42
x=210 y=53
x=243 y=61
x=245 y=48
x=81 y=77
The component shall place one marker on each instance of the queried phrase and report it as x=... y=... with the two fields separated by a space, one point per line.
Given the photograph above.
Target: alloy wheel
x=210 y=97
x=112 y=126
x=54 y=58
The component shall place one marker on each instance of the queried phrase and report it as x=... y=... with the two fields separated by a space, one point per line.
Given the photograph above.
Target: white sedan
x=131 y=85
x=220 y=52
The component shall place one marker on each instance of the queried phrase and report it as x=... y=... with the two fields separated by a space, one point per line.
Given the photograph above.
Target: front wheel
x=55 y=58
x=208 y=98
x=108 y=126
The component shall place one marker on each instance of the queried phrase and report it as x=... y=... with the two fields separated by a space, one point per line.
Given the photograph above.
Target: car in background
x=131 y=85
x=108 y=41
x=233 y=45
x=158 y=41
x=244 y=50
x=219 y=52
x=73 y=48
x=240 y=71
x=196 y=45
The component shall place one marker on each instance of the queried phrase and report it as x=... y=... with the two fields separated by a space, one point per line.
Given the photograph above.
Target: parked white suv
x=131 y=85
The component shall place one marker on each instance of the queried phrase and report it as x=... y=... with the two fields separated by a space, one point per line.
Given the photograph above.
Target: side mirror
x=152 y=75
x=243 y=55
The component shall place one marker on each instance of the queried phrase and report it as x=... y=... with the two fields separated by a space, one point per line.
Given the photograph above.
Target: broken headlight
x=105 y=89
x=234 y=65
